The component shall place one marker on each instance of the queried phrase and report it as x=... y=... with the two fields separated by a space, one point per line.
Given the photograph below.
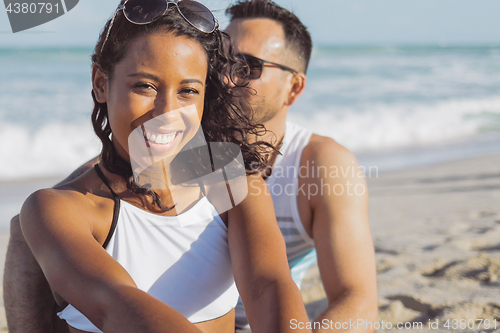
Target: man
x=318 y=209
x=320 y=196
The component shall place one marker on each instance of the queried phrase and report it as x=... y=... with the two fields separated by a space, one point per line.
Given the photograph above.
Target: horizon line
x=318 y=46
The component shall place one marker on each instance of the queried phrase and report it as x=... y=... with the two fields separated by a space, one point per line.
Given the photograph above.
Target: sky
x=331 y=22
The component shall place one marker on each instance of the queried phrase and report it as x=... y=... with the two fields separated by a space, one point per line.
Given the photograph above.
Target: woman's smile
x=162 y=141
x=161 y=138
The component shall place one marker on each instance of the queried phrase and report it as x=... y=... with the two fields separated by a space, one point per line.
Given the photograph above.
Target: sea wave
x=54 y=150
x=383 y=126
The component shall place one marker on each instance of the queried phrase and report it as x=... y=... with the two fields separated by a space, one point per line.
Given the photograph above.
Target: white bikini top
x=181 y=260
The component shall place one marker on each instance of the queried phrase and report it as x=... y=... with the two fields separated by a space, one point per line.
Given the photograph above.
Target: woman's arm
x=271 y=298
x=55 y=224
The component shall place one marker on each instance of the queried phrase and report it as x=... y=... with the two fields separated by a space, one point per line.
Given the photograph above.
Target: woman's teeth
x=161 y=139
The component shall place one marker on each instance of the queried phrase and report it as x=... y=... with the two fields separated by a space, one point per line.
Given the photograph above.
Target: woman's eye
x=144 y=86
x=189 y=91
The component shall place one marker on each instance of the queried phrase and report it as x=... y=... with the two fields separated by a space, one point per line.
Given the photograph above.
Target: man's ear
x=298 y=84
x=99 y=84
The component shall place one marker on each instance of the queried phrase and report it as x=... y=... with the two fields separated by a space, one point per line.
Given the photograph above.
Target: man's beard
x=263 y=113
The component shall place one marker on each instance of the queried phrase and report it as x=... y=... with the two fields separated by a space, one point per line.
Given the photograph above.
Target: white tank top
x=283 y=185
x=182 y=260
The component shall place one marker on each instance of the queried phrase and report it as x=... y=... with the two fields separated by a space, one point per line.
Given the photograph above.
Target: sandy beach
x=436 y=232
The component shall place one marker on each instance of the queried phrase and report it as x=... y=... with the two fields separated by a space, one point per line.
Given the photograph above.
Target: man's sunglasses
x=257 y=65
x=146 y=11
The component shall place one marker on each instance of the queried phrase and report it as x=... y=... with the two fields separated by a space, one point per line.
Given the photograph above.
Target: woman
x=114 y=253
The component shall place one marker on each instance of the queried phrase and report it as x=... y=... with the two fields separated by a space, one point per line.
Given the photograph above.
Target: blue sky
x=351 y=22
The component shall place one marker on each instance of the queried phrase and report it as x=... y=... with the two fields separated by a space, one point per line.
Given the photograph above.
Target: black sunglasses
x=257 y=65
x=146 y=11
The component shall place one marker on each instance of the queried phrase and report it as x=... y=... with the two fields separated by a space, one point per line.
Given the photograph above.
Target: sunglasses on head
x=257 y=65
x=146 y=11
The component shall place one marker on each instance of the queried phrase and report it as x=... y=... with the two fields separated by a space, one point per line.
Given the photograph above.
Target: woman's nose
x=165 y=105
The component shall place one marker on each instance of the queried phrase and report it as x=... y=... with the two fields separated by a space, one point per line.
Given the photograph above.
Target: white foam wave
x=54 y=150
x=384 y=126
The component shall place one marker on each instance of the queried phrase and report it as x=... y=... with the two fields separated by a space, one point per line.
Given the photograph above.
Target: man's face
x=265 y=39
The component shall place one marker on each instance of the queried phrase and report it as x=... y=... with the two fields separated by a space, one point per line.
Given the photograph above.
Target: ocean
x=394 y=107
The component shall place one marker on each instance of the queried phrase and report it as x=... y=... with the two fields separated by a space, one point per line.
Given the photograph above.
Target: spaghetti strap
x=104 y=179
x=116 y=210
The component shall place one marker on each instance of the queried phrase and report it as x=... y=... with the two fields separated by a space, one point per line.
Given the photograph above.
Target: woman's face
x=159 y=86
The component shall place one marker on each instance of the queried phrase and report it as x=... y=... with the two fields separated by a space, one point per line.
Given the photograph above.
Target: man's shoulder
x=323 y=150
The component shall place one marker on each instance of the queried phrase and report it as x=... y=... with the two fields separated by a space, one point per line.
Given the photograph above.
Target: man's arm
x=29 y=304
x=342 y=237
x=258 y=256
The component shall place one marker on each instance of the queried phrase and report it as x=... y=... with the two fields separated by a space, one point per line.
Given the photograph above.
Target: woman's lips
x=161 y=142
x=161 y=139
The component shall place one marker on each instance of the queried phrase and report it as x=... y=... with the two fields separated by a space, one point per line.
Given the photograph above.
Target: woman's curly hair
x=227 y=117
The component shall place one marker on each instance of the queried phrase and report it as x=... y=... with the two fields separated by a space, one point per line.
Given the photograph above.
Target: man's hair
x=296 y=35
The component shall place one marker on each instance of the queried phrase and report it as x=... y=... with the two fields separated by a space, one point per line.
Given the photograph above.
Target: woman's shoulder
x=50 y=203
x=72 y=193
x=67 y=202
x=49 y=213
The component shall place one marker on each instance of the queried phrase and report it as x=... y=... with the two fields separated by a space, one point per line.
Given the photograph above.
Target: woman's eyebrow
x=145 y=75
x=156 y=78
x=186 y=81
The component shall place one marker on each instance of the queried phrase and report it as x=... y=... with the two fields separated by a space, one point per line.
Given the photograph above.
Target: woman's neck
x=179 y=197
